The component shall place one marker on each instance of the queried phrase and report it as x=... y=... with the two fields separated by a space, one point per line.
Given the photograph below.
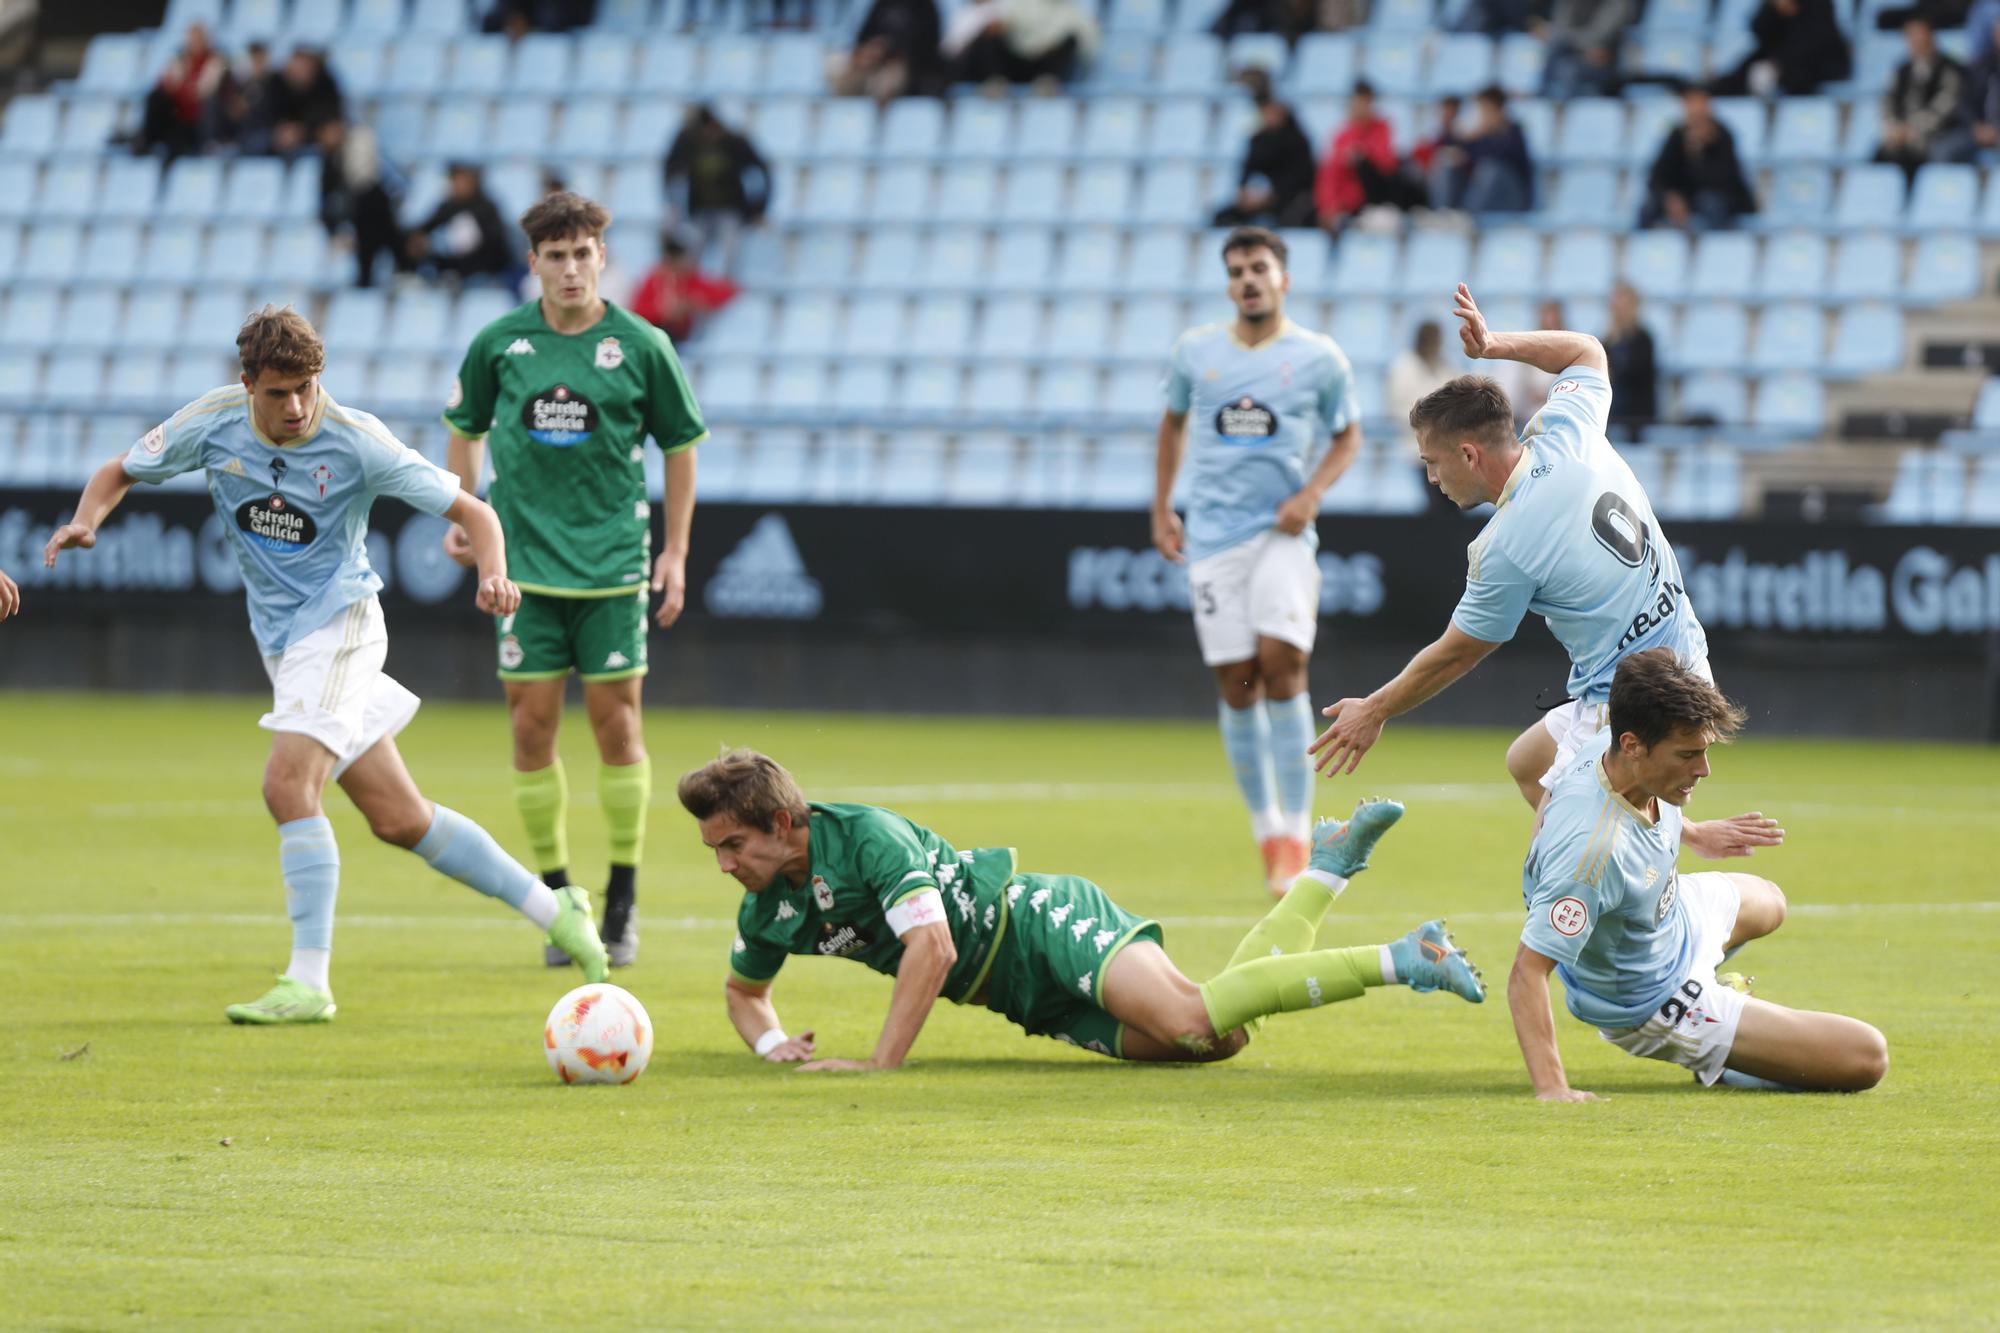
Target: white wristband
x=771 y=1041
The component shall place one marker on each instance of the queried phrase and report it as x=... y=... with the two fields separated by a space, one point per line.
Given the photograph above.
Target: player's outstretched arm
x=928 y=955
x=1535 y=1028
x=467 y=458
x=1738 y=835
x=670 y=569
x=10 y=596
x=1550 y=350
x=497 y=595
x=755 y=1019
x=1168 y=538
x=106 y=489
x=1357 y=723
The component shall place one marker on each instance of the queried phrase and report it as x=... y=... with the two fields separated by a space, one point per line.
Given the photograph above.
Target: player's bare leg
x=624 y=789
x=295 y=775
x=1527 y=759
x=541 y=788
x=1806 y=1049
x=1161 y=1009
x=380 y=785
x=1760 y=910
x=1281 y=667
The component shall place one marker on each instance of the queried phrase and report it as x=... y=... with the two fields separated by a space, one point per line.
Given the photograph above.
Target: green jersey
x=568 y=416
x=866 y=862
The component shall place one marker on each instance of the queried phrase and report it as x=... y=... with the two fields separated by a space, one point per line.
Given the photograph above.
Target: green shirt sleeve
x=893 y=861
x=753 y=959
x=672 y=418
x=469 y=410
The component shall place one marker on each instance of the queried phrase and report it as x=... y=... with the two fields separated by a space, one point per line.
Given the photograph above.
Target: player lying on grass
x=1635 y=942
x=1051 y=952
x=1573 y=538
x=301 y=540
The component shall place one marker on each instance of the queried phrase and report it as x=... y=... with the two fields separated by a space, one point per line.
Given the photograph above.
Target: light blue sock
x=310 y=860
x=1246 y=737
x=1291 y=732
x=1734 y=1078
x=457 y=847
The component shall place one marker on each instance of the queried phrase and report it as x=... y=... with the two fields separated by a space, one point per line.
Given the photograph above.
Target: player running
x=567 y=388
x=1636 y=943
x=1051 y=952
x=1258 y=391
x=1572 y=537
x=292 y=474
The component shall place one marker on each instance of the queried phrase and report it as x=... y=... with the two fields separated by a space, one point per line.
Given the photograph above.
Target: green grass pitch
x=1375 y=1164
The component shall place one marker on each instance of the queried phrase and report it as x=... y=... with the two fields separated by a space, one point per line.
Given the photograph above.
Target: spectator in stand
x=464 y=236
x=1043 y=42
x=1582 y=37
x=1495 y=17
x=676 y=295
x=247 y=106
x=719 y=182
x=1982 y=24
x=1978 y=132
x=1275 y=186
x=1290 y=19
x=1634 y=373
x=1490 y=170
x=1444 y=143
x=355 y=204
x=518 y=17
x=1416 y=370
x=1925 y=104
x=305 y=101
x=177 y=116
x=1360 y=169
x=895 y=53
x=1697 y=180
x=1799 y=47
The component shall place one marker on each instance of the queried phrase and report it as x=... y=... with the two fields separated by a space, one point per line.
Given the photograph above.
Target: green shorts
x=600 y=638
x=1062 y=933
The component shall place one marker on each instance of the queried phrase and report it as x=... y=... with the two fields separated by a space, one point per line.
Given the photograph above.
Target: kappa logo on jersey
x=786 y=911
x=321 y=475
x=822 y=894
x=154 y=440
x=1246 y=420
x=840 y=941
x=275 y=524
x=764 y=577
x=559 y=416
x=615 y=660
x=520 y=347
x=610 y=355
x=1569 y=916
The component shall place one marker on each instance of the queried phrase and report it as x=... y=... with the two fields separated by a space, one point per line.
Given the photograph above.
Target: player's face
x=1670 y=770
x=282 y=405
x=754 y=857
x=1257 y=283
x=569 y=267
x=1450 y=468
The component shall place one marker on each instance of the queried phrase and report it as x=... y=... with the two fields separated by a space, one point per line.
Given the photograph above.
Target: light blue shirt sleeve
x=1179 y=386
x=1562 y=913
x=399 y=471
x=1339 y=407
x=1497 y=593
x=166 y=451
x=1578 y=408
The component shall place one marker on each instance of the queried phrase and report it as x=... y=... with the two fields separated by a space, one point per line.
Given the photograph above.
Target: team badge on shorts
x=610 y=355
x=511 y=655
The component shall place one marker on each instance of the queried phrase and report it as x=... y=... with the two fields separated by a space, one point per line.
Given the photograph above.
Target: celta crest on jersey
x=559 y=416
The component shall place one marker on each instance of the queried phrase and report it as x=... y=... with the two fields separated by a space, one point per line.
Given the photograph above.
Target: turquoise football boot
x=1426 y=960
x=1341 y=846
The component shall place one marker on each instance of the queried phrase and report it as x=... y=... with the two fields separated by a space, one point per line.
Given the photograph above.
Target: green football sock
x=625 y=791
x=1290 y=926
x=1287 y=983
x=542 y=797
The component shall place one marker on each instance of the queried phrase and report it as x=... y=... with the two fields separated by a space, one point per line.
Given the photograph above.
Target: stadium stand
x=971 y=300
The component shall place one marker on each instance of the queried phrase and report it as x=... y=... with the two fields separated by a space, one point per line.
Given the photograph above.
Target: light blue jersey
x=1603 y=900
x=1257 y=419
x=297 y=513
x=1574 y=539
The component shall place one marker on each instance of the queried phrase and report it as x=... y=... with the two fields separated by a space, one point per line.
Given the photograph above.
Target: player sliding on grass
x=292 y=474
x=1051 y=952
x=1637 y=943
x=1572 y=538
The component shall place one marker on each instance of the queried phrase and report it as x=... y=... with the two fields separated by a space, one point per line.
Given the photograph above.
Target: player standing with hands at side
x=567 y=388
x=1247 y=400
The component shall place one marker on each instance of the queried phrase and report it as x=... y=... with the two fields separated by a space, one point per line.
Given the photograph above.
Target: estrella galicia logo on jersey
x=559 y=416
x=1245 y=421
x=275 y=524
x=841 y=941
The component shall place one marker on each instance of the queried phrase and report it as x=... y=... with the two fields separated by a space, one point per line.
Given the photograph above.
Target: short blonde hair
x=749 y=787
x=279 y=338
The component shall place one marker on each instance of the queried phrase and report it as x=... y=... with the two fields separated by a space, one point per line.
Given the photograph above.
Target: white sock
x=1268 y=823
x=309 y=967
x=1300 y=825
x=1389 y=977
x=540 y=906
x=1332 y=881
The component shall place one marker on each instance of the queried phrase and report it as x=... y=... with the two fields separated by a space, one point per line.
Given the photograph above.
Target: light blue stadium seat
x=1116 y=477
x=57 y=255
x=1010 y=326
x=912 y=470
x=1089 y=260
x=1929 y=488
x=111 y=252
x=956 y=261
x=1868 y=265
x=1790 y=336
x=1169 y=192
x=1366 y=265
x=731 y=385
x=942 y=327
x=1537 y=120
x=1986 y=411
x=649 y=128
x=541 y=65
x=139 y=382
x=32 y=316
x=313 y=24
x=358 y=65
x=981 y=128
x=10 y=249
x=1125 y=62
x=130 y=185
x=1945 y=198
x=91 y=317
x=1871 y=195
x=1460 y=64
x=1707 y=483
x=588 y=129
x=779 y=465
x=235 y=253
x=744 y=325
x=438 y=18
x=1147 y=328
x=1794 y=266
x=1394 y=63
x=1868 y=339
x=522 y=125
x=860 y=388
x=1681 y=55
x=1366 y=331
x=929 y=388
x=414 y=67
x=1133 y=393
x=20 y=378
x=20 y=187
x=1807 y=129
x=88 y=124
x=1864 y=130
x=1258 y=50
x=1434 y=263
x=605 y=59
x=622 y=18
x=462 y=127
x=172 y=253
x=74 y=378
x=1982 y=500
x=1518 y=64
x=1725 y=263
x=355 y=318
x=1799 y=196
x=1584 y=197
x=968 y=192
x=891 y=258
x=1989 y=205
x=1158 y=262
x=1593 y=130
x=403 y=126
x=983 y=472
x=1714 y=336
x=1579 y=265
x=793 y=63
x=846 y=128
x=1191 y=63
x=1793 y=404
x=1876 y=56
x=798 y=385
x=1656 y=263
x=1044 y=127
x=1748 y=124
x=216 y=314
x=782 y=128
x=732 y=66
x=1675 y=15
x=1101 y=193
x=33 y=122
x=420 y=322
x=1945 y=268
x=252 y=19
x=823 y=258
x=1078 y=331
x=477 y=307
x=404 y=384
x=114 y=64
x=835 y=192
x=666 y=67
x=69 y=189
x=998 y=388
x=1112 y=128
x=1402 y=15
x=1323 y=64
x=256 y=188
x=1067 y=390
x=1652 y=120
x=1308 y=253
x=1139 y=16
x=1032 y=193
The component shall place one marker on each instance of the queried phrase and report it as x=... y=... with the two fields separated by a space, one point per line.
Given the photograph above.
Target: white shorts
x=1267 y=587
x=329 y=686
x=1575 y=725
x=1697 y=1025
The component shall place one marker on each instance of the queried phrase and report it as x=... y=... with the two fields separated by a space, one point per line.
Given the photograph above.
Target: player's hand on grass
x=835 y=1067
x=1356 y=727
x=1168 y=537
x=1472 y=331
x=1739 y=835
x=68 y=537
x=10 y=596
x=458 y=545
x=1297 y=512
x=670 y=580
x=792 y=1050
x=498 y=596
x=1568 y=1095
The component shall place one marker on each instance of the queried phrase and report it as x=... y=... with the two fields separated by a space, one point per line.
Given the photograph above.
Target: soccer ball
x=598 y=1034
